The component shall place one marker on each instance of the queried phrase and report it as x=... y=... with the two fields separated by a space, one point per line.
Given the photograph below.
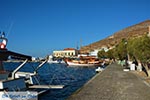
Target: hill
x=129 y=32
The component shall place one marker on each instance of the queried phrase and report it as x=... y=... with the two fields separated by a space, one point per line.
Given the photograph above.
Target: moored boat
x=72 y=64
x=16 y=81
x=84 y=62
x=99 y=69
x=56 y=61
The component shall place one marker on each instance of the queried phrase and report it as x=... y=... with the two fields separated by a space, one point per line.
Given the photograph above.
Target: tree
x=121 y=51
x=102 y=54
x=110 y=54
x=139 y=49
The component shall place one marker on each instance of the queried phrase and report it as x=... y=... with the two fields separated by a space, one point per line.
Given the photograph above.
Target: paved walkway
x=113 y=84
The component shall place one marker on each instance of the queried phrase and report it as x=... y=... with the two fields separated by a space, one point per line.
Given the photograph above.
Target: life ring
x=2 y=45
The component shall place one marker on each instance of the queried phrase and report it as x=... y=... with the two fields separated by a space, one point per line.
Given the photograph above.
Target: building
x=67 y=52
x=94 y=53
x=105 y=48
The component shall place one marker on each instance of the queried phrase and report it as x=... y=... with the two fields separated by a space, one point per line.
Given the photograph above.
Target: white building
x=67 y=52
x=105 y=48
x=94 y=53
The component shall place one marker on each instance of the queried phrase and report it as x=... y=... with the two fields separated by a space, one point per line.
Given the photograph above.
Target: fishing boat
x=17 y=81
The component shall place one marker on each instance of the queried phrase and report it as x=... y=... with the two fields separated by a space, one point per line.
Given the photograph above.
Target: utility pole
x=148 y=31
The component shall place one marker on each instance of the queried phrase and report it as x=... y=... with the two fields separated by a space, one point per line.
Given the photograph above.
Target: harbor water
x=57 y=74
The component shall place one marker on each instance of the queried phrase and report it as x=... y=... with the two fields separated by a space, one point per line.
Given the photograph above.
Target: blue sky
x=37 y=27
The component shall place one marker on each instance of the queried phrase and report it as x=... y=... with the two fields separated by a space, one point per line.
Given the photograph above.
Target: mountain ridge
x=135 y=30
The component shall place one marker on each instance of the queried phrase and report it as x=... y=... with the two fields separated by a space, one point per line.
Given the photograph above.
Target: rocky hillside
x=129 y=32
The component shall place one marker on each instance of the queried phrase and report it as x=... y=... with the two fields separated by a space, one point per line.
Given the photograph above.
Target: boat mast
x=80 y=43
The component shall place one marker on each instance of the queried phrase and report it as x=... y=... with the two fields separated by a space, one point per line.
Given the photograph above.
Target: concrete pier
x=113 y=84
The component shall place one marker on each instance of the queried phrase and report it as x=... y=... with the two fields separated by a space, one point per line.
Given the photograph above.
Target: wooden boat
x=84 y=62
x=72 y=64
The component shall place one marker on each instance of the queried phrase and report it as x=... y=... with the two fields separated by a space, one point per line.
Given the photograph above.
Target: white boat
x=99 y=69
x=58 y=61
x=17 y=81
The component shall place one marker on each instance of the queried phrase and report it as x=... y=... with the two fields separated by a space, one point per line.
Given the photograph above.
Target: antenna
x=80 y=43
x=10 y=28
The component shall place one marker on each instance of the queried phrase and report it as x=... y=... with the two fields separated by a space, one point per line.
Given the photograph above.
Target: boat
x=72 y=64
x=56 y=61
x=83 y=62
x=99 y=69
x=17 y=81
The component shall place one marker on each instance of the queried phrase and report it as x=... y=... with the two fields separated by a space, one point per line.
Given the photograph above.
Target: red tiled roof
x=69 y=49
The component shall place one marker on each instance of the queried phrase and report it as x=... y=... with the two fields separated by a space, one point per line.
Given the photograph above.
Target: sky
x=38 y=27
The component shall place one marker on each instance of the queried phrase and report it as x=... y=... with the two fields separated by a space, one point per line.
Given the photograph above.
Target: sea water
x=57 y=74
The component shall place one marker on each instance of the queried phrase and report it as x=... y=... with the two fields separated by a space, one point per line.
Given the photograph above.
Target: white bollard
x=132 y=67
